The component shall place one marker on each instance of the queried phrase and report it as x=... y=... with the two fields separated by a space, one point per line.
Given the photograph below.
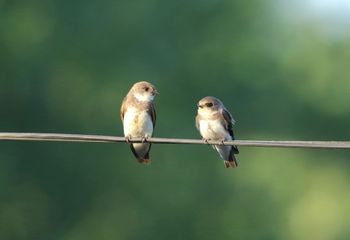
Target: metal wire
x=57 y=137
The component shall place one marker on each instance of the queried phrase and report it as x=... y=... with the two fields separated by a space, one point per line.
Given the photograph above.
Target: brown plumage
x=214 y=122
x=139 y=117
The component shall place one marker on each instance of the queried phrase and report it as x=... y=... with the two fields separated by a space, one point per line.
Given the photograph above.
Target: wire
x=14 y=136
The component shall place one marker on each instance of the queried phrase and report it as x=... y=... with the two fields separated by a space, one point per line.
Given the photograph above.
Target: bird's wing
x=197 y=122
x=228 y=122
x=123 y=109
x=152 y=112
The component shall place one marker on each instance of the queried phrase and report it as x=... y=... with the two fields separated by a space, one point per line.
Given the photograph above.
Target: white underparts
x=137 y=123
x=146 y=97
x=206 y=113
x=213 y=129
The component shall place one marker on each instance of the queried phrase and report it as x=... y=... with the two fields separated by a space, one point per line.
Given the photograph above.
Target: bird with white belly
x=139 y=117
x=214 y=122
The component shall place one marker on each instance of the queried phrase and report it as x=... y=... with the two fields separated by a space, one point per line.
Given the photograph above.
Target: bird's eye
x=209 y=104
x=146 y=89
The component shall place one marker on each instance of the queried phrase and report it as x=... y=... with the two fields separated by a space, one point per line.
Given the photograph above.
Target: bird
x=215 y=122
x=139 y=118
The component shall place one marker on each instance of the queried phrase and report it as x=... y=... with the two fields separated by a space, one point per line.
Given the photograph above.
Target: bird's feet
x=222 y=141
x=206 y=140
x=127 y=139
x=144 y=138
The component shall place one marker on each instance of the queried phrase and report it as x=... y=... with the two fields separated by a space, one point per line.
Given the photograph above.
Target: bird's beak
x=155 y=92
x=200 y=106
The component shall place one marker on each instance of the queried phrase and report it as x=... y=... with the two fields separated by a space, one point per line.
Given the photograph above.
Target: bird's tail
x=232 y=161
x=141 y=152
x=144 y=161
x=232 y=164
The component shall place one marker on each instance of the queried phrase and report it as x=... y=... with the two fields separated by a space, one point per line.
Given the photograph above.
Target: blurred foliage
x=66 y=65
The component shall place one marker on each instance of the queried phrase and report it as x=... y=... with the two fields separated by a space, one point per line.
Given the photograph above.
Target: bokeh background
x=281 y=67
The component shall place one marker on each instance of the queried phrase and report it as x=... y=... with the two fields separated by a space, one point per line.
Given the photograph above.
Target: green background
x=280 y=67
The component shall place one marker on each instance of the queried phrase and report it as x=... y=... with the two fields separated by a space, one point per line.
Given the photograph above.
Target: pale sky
x=330 y=16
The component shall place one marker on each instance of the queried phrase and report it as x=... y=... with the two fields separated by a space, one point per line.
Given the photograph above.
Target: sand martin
x=214 y=122
x=139 y=118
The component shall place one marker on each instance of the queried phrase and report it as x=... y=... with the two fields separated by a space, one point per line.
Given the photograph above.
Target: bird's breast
x=137 y=123
x=213 y=129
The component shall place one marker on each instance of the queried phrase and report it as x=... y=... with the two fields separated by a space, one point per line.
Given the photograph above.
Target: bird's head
x=144 y=91
x=209 y=105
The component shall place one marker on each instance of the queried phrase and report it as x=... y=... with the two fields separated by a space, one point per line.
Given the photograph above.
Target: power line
x=57 y=137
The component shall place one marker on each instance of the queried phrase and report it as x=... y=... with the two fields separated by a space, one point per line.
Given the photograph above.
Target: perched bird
x=214 y=122
x=139 y=118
